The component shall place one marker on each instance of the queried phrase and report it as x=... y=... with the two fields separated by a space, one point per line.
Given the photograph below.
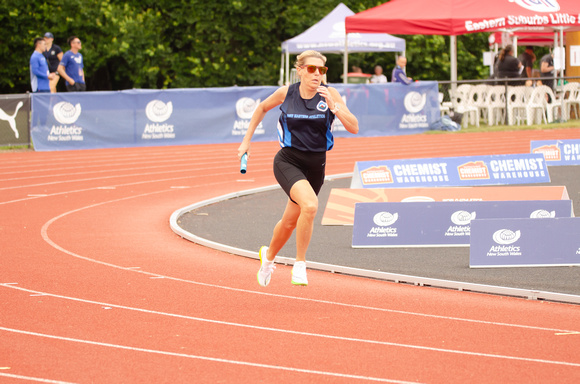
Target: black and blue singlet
x=305 y=134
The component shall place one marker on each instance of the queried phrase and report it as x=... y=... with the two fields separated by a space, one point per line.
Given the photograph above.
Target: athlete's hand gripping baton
x=244 y=163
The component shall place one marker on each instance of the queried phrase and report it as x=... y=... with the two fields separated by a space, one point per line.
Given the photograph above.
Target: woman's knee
x=309 y=207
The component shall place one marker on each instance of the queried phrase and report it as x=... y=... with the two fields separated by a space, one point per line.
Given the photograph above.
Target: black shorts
x=76 y=87
x=292 y=165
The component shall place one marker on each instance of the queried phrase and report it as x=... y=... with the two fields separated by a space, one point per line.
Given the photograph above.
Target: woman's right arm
x=270 y=102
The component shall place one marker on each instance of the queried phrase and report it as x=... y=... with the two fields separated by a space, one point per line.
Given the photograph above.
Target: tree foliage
x=198 y=43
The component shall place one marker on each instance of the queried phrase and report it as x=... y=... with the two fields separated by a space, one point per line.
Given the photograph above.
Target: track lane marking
x=45 y=237
x=37 y=379
x=206 y=358
x=301 y=333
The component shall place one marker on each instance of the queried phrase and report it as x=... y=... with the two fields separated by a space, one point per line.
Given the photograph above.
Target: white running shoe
x=299 y=273
x=266 y=269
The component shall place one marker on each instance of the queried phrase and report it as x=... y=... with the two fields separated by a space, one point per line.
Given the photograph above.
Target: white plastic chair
x=443 y=106
x=517 y=99
x=459 y=101
x=570 y=99
x=552 y=104
x=575 y=104
x=537 y=103
x=477 y=98
x=544 y=101
x=494 y=105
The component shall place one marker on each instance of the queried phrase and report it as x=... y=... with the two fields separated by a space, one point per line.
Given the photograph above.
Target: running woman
x=304 y=131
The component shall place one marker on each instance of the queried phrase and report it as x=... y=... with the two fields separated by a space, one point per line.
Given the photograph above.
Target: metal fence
x=511 y=101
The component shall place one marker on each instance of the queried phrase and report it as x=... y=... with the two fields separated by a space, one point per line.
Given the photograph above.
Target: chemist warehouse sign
x=451 y=172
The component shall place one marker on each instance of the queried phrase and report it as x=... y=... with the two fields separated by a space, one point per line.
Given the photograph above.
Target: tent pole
x=345 y=60
x=287 y=68
x=562 y=58
x=453 y=43
x=281 y=81
x=556 y=48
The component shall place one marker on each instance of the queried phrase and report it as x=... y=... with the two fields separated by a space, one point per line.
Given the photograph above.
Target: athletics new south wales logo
x=383 y=225
x=245 y=108
x=538 y=5
x=158 y=112
x=461 y=223
x=414 y=103
x=505 y=240
x=67 y=115
x=506 y=236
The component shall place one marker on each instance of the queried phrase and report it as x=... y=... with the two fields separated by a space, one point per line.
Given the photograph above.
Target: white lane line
x=37 y=379
x=308 y=334
x=206 y=358
x=121 y=185
x=164 y=172
x=44 y=233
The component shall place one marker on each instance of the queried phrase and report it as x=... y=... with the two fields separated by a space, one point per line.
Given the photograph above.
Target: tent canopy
x=457 y=17
x=328 y=35
x=523 y=38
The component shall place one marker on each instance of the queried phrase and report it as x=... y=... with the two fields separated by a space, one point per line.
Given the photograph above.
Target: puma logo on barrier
x=12 y=119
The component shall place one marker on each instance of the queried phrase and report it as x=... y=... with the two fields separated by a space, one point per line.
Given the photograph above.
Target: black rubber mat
x=247 y=222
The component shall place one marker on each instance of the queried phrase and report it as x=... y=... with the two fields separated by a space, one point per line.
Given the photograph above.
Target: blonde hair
x=306 y=54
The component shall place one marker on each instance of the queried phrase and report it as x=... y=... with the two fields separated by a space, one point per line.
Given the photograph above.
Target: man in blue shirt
x=39 y=74
x=71 y=67
x=399 y=75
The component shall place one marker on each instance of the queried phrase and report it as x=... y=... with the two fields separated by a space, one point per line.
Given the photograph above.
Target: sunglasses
x=313 y=68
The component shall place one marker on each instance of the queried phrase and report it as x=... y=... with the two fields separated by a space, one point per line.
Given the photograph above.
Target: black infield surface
x=247 y=223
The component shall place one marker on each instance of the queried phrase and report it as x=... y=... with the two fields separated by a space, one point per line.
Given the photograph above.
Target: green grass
x=15 y=148
x=504 y=128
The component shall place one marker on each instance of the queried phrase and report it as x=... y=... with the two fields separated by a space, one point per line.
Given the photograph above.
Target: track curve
x=95 y=287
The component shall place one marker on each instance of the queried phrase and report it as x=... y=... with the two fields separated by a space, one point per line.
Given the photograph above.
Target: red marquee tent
x=523 y=38
x=457 y=17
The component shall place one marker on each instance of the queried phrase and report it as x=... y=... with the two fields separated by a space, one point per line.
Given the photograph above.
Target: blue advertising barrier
x=451 y=171
x=525 y=243
x=87 y=120
x=557 y=152
x=439 y=224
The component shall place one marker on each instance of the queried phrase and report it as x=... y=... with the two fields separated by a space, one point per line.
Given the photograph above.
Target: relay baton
x=244 y=163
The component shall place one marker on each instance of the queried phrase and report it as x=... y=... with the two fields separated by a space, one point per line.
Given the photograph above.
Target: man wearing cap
x=53 y=56
x=71 y=67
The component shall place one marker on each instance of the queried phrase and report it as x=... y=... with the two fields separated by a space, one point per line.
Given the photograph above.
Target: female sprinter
x=304 y=130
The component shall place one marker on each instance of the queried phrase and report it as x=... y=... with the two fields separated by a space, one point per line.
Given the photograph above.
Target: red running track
x=96 y=288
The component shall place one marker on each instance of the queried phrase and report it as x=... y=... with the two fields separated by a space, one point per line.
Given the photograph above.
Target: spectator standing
x=399 y=75
x=71 y=67
x=53 y=56
x=508 y=66
x=547 y=71
x=527 y=59
x=378 y=77
x=39 y=74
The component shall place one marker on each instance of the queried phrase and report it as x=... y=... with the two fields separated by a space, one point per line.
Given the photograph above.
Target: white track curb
x=397 y=278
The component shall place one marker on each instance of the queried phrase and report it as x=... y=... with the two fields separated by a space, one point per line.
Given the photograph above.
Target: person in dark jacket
x=508 y=66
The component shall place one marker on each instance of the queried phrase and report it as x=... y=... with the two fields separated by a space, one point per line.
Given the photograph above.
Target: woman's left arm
x=339 y=108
